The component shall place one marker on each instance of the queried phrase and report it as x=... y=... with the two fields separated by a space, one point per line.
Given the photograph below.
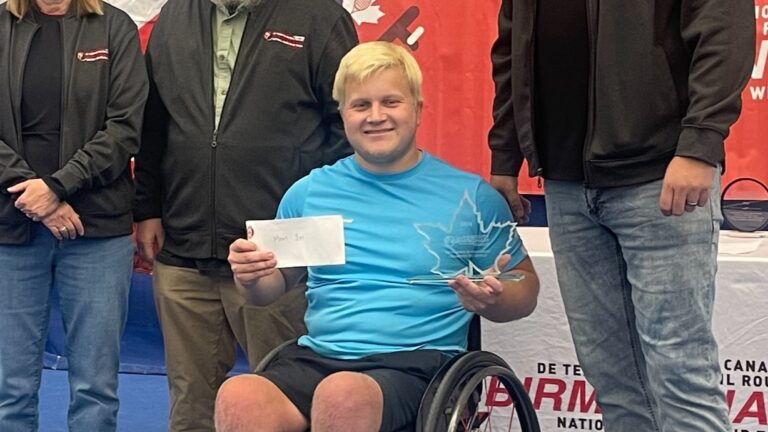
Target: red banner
x=452 y=41
x=746 y=147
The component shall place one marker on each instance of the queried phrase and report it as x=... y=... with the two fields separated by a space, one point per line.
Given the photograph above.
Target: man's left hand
x=37 y=201
x=687 y=184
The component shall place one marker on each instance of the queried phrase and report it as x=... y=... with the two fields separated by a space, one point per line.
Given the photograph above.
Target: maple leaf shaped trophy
x=466 y=241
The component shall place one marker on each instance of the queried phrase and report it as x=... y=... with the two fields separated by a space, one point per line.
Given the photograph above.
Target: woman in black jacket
x=72 y=91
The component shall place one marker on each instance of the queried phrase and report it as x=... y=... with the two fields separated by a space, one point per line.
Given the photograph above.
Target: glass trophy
x=469 y=245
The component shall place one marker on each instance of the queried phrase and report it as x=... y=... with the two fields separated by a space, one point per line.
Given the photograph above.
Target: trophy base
x=441 y=280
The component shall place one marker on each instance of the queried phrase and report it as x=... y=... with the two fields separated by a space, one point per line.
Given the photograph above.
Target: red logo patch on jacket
x=294 y=41
x=92 y=56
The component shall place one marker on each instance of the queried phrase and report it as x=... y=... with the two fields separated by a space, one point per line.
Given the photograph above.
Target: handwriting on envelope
x=300 y=242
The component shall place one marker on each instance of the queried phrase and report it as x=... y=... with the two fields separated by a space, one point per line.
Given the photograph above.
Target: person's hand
x=248 y=263
x=686 y=186
x=36 y=200
x=64 y=222
x=478 y=296
x=507 y=186
x=150 y=237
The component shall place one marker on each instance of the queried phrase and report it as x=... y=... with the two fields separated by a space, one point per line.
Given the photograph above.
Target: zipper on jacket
x=532 y=87
x=592 y=17
x=214 y=144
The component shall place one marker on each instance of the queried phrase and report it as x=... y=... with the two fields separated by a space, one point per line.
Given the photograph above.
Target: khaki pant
x=202 y=318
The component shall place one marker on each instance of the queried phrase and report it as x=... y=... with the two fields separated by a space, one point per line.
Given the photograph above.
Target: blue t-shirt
x=419 y=222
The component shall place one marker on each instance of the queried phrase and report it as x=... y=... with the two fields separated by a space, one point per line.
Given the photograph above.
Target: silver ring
x=692 y=204
x=62 y=228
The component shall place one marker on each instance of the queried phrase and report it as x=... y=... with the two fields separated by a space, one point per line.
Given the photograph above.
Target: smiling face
x=380 y=119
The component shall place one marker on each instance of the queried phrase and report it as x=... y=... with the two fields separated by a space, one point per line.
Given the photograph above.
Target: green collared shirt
x=227 y=33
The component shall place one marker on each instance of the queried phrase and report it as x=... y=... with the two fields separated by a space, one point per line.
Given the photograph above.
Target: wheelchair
x=475 y=391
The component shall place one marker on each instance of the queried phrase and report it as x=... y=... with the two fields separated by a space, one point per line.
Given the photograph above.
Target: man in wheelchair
x=427 y=246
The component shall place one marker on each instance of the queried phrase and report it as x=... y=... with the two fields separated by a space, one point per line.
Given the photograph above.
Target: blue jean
x=92 y=277
x=638 y=289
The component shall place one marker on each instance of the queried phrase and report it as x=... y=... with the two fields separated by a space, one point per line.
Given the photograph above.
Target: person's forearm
x=518 y=299
x=265 y=290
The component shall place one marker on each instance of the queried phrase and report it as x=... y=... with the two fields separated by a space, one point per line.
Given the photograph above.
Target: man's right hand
x=507 y=186
x=150 y=237
x=248 y=263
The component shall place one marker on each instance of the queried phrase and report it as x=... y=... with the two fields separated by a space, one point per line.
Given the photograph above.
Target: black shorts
x=402 y=376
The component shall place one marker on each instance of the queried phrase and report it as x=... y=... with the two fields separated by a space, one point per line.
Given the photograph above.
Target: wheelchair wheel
x=476 y=391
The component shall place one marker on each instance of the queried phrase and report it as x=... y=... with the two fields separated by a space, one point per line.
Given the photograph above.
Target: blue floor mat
x=143 y=402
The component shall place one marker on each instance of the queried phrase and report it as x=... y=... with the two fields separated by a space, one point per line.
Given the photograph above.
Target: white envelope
x=300 y=242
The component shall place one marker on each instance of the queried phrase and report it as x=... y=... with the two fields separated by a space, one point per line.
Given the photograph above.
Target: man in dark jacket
x=623 y=110
x=240 y=107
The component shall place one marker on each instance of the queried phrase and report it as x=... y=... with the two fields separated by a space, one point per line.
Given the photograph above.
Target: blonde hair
x=368 y=58
x=19 y=8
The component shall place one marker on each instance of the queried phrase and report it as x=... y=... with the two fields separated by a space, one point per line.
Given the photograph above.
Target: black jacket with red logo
x=103 y=100
x=278 y=121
